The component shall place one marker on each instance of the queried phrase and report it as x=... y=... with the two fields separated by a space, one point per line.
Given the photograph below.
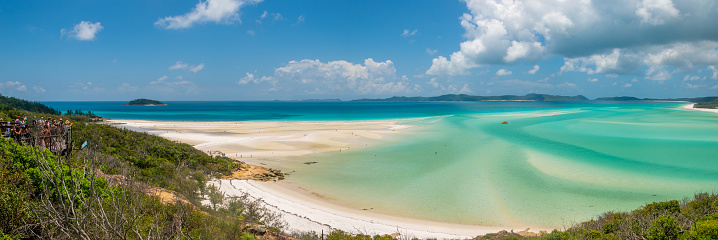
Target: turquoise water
x=554 y=164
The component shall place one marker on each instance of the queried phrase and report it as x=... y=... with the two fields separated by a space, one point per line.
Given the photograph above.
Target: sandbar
x=690 y=107
x=277 y=143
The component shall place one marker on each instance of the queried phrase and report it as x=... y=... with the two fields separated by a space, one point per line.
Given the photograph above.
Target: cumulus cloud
x=593 y=80
x=336 y=77
x=14 y=85
x=217 y=11
x=594 y=37
x=503 y=72
x=656 y=12
x=83 y=31
x=534 y=70
x=180 y=65
x=431 y=51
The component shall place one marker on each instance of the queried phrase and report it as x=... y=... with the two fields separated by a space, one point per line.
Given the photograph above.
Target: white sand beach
x=690 y=107
x=274 y=143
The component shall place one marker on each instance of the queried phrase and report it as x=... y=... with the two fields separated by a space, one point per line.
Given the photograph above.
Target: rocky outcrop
x=253 y=172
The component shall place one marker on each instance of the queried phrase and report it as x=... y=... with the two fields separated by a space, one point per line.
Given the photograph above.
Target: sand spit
x=690 y=107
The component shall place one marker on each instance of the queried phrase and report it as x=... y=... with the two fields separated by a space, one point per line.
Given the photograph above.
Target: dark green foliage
x=663 y=228
x=144 y=101
x=711 y=105
x=155 y=160
x=9 y=103
x=669 y=207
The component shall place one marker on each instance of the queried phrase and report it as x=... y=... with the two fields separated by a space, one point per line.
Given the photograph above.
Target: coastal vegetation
x=710 y=105
x=109 y=190
x=146 y=102
x=123 y=185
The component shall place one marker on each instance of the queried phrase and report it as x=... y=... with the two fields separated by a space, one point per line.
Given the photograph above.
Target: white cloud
x=692 y=78
x=185 y=87
x=534 y=70
x=300 y=19
x=627 y=85
x=83 y=31
x=656 y=12
x=336 y=77
x=217 y=11
x=715 y=72
x=251 y=32
x=197 y=68
x=593 y=80
x=408 y=32
x=431 y=51
x=158 y=81
x=193 y=68
x=433 y=83
x=465 y=89
x=38 y=89
x=264 y=15
x=16 y=85
x=178 y=65
x=277 y=17
x=503 y=72
x=595 y=37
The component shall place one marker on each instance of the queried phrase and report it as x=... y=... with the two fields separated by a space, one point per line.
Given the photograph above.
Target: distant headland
x=464 y=97
x=146 y=102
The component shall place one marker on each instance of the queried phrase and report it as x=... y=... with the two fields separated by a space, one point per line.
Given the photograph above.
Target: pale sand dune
x=275 y=143
x=690 y=107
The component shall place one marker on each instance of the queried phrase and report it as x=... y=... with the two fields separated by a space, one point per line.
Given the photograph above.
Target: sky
x=244 y=50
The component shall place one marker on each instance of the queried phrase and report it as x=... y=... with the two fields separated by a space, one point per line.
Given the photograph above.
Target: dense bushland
x=711 y=105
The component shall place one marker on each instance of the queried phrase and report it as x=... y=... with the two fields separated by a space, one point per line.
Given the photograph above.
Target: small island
x=145 y=102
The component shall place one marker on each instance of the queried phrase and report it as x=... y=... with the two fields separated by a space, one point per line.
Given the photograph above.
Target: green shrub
x=672 y=206
x=663 y=228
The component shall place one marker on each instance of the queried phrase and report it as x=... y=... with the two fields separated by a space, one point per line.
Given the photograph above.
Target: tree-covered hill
x=144 y=101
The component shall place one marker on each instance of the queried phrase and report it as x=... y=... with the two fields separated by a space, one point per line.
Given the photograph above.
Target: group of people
x=50 y=133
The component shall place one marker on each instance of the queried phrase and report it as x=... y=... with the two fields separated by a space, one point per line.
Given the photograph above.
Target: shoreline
x=690 y=107
x=311 y=213
x=279 y=143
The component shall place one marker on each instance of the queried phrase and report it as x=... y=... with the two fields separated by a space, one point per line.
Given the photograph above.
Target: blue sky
x=292 y=50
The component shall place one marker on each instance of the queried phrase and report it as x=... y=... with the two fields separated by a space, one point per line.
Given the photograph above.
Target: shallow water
x=554 y=164
x=547 y=168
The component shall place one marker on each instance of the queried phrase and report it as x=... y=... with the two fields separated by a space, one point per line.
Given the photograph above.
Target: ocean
x=552 y=165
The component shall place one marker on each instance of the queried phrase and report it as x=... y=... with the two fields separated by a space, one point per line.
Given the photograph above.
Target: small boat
x=504 y=122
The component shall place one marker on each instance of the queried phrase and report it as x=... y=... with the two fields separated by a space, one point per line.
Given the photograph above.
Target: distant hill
x=9 y=103
x=145 y=102
x=469 y=98
x=624 y=98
